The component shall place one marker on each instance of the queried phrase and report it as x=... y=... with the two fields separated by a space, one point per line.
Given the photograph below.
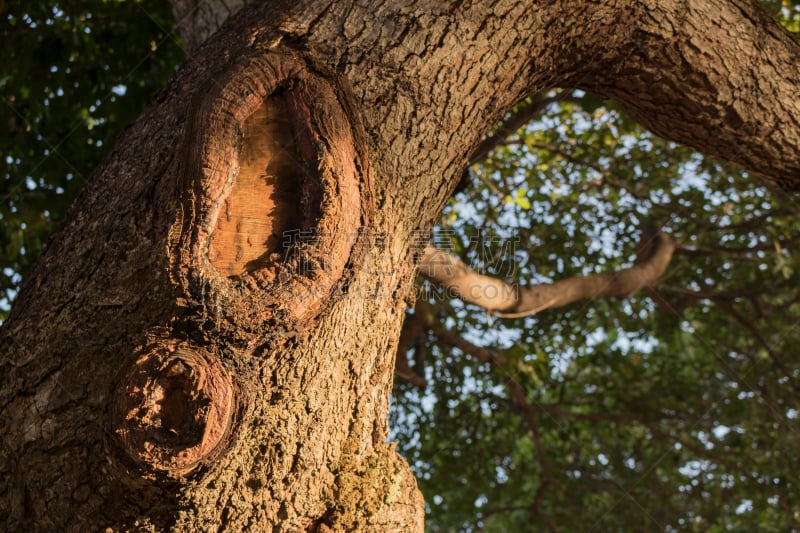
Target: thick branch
x=719 y=76
x=510 y=300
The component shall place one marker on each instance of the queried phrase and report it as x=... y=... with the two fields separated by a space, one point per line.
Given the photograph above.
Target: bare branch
x=512 y=300
x=413 y=327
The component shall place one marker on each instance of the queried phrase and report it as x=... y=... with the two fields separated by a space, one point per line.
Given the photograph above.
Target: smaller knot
x=173 y=408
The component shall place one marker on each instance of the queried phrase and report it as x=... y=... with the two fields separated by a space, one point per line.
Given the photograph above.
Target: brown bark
x=716 y=75
x=131 y=304
x=513 y=300
x=198 y=19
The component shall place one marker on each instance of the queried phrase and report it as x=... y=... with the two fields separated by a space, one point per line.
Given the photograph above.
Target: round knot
x=173 y=408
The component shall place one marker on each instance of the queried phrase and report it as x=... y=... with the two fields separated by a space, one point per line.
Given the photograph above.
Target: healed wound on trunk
x=270 y=150
x=279 y=193
x=173 y=408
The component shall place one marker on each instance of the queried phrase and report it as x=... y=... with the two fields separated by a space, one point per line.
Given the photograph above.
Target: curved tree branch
x=512 y=300
x=681 y=81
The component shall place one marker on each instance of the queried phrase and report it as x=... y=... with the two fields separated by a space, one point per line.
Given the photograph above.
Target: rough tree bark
x=171 y=365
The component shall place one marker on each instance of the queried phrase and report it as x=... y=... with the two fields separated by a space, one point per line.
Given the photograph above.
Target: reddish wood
x=231 y=231
x=262 y=205
x=173 y=408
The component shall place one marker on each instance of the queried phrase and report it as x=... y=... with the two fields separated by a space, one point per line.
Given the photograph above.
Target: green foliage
x=75 y=72
x=675 y=409
x=787 y=12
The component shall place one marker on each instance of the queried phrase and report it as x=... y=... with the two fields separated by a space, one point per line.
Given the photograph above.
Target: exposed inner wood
x=173 y=409
x=265 y=200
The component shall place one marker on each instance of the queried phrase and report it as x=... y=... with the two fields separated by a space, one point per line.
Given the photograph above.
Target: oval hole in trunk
x=264 y=202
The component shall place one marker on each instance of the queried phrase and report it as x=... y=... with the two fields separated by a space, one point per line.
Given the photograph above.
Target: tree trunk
x=181 y=359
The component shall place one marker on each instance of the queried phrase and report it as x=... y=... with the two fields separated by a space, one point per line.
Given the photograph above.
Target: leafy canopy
x=74 y=74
